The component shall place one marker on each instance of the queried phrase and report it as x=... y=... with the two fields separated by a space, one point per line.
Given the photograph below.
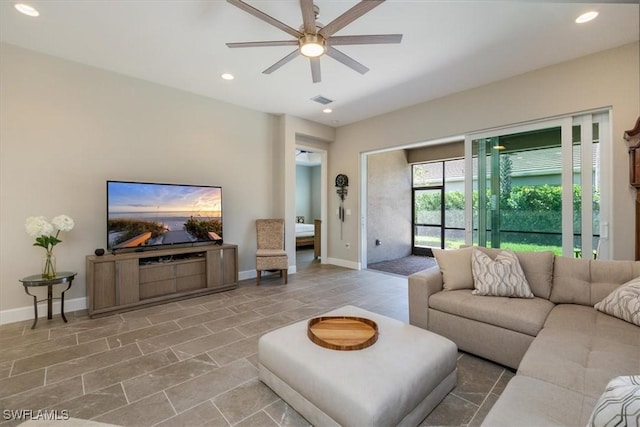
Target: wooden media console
x=128 y=281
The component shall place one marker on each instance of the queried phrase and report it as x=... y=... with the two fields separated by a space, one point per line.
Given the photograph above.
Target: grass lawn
x=426 y=241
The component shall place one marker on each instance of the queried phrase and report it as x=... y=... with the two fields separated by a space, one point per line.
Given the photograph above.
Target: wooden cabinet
x=128 y=281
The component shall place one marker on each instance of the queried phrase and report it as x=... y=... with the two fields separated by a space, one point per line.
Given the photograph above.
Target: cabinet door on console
x=230 y=266
x=214 y=268
x=127 y=273
x=104 y=285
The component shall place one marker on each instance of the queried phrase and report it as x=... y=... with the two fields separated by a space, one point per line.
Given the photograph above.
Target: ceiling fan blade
x=368 y=39
x=283 y=61
x=266 y=18
x=348 y=17
x=315 y=69
x=308 y=16
x=264 y=43
x=346 y=60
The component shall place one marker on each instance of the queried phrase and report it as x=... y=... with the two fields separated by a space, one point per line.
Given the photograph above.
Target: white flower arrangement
x=42 y=230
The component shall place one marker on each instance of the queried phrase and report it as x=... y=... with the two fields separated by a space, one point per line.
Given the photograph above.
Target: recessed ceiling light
x=227 y=76
x=327 y=110
x=26 y=9
x=586 y=17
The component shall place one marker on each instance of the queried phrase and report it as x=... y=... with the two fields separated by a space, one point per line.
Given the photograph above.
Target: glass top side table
x=37 y=280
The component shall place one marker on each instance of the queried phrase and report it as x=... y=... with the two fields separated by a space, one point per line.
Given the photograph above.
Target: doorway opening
x=310 y=202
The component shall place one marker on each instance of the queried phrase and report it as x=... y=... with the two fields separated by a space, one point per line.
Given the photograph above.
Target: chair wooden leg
x=286 y=276
x=258 y=277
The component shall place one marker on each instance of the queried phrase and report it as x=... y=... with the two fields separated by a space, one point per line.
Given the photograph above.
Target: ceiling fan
x=314 y=40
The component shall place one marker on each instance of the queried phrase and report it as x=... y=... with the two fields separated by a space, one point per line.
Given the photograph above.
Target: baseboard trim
x=19 y=314
x=344 y=263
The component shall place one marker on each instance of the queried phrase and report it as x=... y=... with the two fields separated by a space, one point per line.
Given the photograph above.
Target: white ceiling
x=448 y=46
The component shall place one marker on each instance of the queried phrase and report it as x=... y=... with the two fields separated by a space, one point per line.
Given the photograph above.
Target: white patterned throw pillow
x=623 y=302
x=619 y=405
x=500 y=277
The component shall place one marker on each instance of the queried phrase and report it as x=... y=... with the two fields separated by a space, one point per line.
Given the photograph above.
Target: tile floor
x=193 y=362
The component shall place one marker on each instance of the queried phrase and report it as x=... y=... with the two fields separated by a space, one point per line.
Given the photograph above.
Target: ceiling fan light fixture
x=312 y=45
x=586 y=17
x=26 y=9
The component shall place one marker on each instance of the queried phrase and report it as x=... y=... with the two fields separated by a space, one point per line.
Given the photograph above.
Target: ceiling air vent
x=322 y=100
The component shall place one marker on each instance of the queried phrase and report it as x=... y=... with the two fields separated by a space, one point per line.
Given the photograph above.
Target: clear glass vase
x=49 y=266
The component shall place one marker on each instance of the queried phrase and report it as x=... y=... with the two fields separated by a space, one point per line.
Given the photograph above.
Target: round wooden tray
x=343 y=333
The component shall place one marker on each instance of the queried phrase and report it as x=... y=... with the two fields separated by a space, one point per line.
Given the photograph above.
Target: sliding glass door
x=537 y=187
x=438 y=205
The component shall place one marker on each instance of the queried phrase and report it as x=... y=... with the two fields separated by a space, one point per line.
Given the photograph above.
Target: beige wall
x=605 y=79
x=66 y=128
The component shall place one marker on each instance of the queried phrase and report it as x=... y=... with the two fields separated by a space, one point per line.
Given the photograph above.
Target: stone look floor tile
x=254 y=304
x=14 y=329
x=245 y=400
x=14 y=341
x=232 y=321
x=206 y=343
x=142 y=413
x=93 y=404
x=86 y=364
x=5 y=369
x=141 y=334
x=452 y=411
x=263 y=325
x=131 y=368
x=28 y=350
x=113 y=329
x=268 y=310
x=58 y=356
x=204 y=350
x=176 y=314
x=172 y=338
x=205 y=414
x=285 y=416
x=237 y=350
x=226 y=303
x=476 y=378
x=163 y=378
x=20 y=383
x=484 y=410
x=208 y=386
x=84 y=326
x=207 y=316
x=43 y=397
x=260 y=419
x=150 y=311
x=503 y=381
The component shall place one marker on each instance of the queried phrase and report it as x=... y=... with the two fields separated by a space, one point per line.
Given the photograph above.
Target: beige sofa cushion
x=522 y=315
x=587 y=282
x=455 y=265
x=581 y=349
x=530 y=402
x=537 y=267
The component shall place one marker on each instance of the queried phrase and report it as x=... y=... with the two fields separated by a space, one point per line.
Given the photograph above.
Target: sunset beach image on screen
x=149 y=214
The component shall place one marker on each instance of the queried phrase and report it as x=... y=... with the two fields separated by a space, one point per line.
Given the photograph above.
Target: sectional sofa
x=565 y=351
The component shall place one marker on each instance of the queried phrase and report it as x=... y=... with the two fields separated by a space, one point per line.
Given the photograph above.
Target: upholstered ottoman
x=396 y=381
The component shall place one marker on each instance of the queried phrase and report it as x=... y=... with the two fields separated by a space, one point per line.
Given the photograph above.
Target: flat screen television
x=143 y=215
